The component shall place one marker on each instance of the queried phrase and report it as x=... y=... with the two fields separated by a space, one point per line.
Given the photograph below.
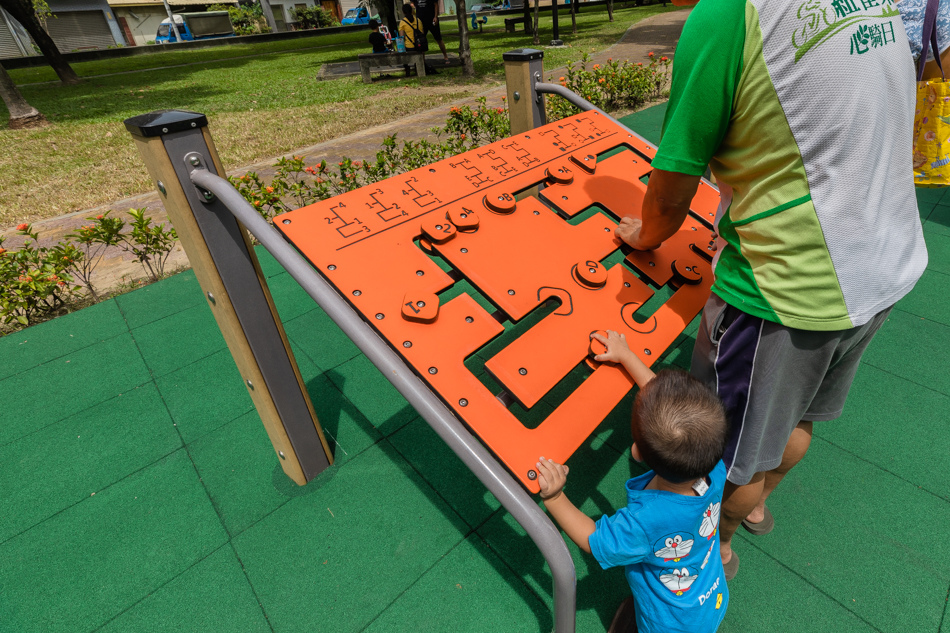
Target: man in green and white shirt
x=804 y=112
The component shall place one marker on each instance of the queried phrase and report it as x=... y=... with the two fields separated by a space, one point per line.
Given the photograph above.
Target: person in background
x=912 y=15
x=377 y=39
x=427 y=10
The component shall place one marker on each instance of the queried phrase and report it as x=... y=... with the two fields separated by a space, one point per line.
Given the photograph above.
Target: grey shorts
x=770 y=377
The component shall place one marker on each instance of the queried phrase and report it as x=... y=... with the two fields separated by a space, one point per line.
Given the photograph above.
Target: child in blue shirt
x=667 y=535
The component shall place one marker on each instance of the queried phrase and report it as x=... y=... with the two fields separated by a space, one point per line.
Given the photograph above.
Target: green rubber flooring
x=138 y=490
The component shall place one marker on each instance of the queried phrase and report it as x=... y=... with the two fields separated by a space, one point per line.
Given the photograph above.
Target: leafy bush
x=33 y=281
x=312 y=17
x=613 y=86
x=247 y=19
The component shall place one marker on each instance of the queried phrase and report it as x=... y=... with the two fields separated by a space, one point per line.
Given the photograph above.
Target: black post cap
x=522 y=55
x=165 y=122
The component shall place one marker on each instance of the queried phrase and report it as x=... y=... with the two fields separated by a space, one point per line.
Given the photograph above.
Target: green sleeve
x=706 y=71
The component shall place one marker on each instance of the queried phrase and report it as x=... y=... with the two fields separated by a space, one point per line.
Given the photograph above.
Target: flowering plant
x=33 y=280
x=612 y=86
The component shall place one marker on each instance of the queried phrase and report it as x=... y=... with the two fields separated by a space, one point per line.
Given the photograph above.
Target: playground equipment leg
x=227 y=269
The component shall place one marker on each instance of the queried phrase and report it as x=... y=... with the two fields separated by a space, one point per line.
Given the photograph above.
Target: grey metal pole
x=472 y=453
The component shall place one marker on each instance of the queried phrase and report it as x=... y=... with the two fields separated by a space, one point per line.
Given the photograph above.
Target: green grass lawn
x=262 y=100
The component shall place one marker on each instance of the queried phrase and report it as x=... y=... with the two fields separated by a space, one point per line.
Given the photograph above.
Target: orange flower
x=596 y=66
x=98 y=217
x=462 y=137
x=560 y=78
x=651 y=54
x=601 y=80
x=2 y=251
x=22 y=227
x=663 y=59
x=269 y=190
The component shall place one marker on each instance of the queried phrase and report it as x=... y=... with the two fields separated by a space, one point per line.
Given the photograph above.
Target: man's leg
x=796 y=448
x=737 y=503
x=748 y=502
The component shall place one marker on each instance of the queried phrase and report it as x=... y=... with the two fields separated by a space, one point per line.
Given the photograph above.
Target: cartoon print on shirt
x=678 y=580
x=706 y=560
x=710 y=521
x=673 y=547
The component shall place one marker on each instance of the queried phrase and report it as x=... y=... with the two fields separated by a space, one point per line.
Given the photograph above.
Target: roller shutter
x=8 y=47
x=80 y=30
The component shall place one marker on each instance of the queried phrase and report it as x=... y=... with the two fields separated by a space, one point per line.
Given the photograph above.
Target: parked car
x=358 y=15
x=195 y=26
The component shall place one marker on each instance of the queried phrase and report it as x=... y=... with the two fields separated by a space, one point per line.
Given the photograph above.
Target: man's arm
x=577 y=525
x=664 y=208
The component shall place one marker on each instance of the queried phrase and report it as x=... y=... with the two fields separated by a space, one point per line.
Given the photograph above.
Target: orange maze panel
x=396 y=248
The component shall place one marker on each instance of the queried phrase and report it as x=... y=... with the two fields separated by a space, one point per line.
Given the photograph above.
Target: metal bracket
x=194 y=161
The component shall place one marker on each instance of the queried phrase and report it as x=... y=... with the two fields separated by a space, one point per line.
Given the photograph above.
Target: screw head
x=523 y=371
x=250 y=385
x=647 y=351
x=463 y=402
x=652 y=264
x=407 y=344
x=433 y=370
x=469 y=320
x=420 y=273
x=380 y=316
x=464 y=250
x=280 y=453
x=357 y=293
x=194 y=161
x=211 y=298
x=161 y=187
x=626 y=284
x=532 y=475
x=288 y=222
x=511 y=292
x=420 y=304
x=331 y=267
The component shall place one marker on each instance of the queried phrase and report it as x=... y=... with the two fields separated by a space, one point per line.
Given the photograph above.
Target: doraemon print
x=710 y=521
x=678 y=580
x=673 y=547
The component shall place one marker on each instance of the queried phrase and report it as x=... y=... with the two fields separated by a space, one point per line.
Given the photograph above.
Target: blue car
x=358 y=15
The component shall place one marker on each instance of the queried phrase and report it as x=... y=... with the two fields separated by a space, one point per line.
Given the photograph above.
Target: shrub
x=247 y=19
x=34 y=283
x=312 y=17
x=612 y=86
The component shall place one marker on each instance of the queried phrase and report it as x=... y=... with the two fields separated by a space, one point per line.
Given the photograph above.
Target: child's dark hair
x=407 y=10
x=373 y=24
x=679 y=426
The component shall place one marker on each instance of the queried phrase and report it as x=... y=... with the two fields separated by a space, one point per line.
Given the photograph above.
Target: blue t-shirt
x=669 y=545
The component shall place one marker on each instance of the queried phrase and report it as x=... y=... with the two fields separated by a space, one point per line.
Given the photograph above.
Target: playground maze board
x=438 y=259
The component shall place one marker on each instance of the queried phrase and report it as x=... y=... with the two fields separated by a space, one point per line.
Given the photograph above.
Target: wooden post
x=523 y=69
x=230 y=276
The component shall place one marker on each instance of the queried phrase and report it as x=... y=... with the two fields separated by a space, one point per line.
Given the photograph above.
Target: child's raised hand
x=551 y=477
x=616 y=344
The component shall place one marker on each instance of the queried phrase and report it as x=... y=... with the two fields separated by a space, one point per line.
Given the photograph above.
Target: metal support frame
x=475 y=456
x=172 y=143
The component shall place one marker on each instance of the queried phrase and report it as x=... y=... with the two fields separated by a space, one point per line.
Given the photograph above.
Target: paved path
x=658 y=34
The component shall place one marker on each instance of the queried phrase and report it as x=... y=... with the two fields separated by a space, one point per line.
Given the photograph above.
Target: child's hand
x=552 y=477
x=616 y=344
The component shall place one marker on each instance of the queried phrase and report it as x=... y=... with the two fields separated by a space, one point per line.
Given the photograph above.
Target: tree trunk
x=465 y=50
x=610 y=10
x=22 y=114
x=23 y=11
x=537 y=16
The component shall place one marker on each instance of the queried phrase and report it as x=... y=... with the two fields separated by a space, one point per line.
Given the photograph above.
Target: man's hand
x=552 y=477
x=629 y=231
x=435 y=19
